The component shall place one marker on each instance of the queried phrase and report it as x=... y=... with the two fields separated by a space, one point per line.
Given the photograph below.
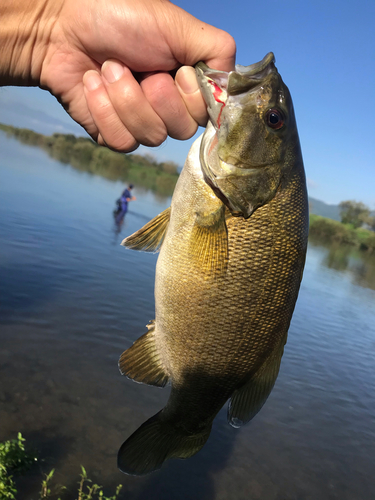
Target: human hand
x=109 y=62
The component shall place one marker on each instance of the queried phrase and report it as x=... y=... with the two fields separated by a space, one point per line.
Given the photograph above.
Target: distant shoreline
x=85 y=155
x=326 y=230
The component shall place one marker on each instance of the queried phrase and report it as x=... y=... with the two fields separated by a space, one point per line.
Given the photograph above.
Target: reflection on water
x=358 y=264
x=120 y=225
x=118 y=217
x=71 y=301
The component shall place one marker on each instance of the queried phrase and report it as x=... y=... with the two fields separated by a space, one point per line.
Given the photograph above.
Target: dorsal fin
x=150 y=237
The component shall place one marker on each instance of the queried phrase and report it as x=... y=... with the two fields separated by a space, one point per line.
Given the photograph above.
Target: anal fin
x=150 y=237
x=142 y=363
x=246 y=401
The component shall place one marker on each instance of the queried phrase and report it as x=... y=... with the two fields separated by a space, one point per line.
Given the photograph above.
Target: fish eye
x=274 y=118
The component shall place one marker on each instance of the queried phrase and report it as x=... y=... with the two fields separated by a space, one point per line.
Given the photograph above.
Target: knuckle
x=230 y=44
x=189 y=131
x=227 y=47
x=124 y=143
x=158 y=97
x=156 y=138
x=102 y=109
x=184 y=132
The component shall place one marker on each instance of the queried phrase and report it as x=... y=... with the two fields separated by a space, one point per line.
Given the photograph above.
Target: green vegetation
x=15 y=460
x=331 y=231
x=85 y=155
x=357 y=214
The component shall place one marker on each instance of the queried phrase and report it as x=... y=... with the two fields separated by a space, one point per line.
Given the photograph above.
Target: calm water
x=72 y=299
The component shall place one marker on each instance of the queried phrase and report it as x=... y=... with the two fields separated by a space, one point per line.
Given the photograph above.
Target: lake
x=72 y=300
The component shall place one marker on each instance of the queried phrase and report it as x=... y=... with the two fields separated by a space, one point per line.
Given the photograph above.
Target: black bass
x=232 y=252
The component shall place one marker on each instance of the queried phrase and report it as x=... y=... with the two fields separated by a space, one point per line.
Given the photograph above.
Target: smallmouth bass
x=232 y=251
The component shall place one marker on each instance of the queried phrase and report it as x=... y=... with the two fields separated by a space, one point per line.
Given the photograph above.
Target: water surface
x=72 y=299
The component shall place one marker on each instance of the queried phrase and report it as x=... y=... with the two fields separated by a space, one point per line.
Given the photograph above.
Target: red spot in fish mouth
x=217 y=94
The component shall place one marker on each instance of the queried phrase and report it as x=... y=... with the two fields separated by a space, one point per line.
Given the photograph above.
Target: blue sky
x=325 y=52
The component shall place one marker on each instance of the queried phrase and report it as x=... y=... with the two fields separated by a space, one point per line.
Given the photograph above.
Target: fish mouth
x=216 y=86
x=228 y=181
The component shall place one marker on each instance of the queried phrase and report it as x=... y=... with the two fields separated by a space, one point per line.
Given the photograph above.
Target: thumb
x=187 y=85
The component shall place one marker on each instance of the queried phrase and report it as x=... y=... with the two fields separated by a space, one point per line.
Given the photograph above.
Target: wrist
x=25 y=27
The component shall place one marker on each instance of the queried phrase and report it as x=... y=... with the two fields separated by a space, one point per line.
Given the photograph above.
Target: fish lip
x=257 y=68
x=244 y=78
x=212 y=85
x=226 y=80
x=217 y=86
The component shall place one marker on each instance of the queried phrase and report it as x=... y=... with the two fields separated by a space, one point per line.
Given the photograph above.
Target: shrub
x=331 y=231
x=15 y=459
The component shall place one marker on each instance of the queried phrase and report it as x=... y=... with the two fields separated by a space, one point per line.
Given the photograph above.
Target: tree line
x=357 y=227
x=357 y=224
x=357 y=214
x=85 y=155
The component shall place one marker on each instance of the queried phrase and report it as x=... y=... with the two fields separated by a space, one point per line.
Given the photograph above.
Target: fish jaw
x=242 y=190
x=242 y=157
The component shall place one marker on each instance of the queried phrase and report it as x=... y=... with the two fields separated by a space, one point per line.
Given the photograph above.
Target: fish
x=232 y=251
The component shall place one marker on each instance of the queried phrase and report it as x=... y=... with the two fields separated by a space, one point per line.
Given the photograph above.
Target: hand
x=109 y=62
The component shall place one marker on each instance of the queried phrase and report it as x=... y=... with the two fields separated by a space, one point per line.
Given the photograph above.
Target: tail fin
x=154 y=442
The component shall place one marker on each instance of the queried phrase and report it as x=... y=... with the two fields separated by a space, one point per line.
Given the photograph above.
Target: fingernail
x=186 y=79
x=112 y=71
x=92 y=80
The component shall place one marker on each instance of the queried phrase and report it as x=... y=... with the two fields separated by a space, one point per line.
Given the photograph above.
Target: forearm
x=25 y=27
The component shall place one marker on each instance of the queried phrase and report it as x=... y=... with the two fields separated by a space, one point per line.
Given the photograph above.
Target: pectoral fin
x=209 y=242
x=150 y=237
x=246 y=402
x=142 y=362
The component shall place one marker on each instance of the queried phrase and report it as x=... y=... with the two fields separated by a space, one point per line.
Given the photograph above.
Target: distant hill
x=318 y=207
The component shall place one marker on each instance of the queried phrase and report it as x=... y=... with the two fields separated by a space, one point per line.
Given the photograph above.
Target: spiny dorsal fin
x=209 y=242
x=142 y=363
x=150 y=237
x=249 y=399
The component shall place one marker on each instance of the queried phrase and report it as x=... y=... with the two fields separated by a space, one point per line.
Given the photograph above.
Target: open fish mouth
x=217 y=86
x=220 y=88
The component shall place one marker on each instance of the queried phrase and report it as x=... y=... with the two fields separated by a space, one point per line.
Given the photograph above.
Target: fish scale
x=232 y=250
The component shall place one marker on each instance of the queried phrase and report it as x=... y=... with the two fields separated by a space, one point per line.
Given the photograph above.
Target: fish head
x=247 y=145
